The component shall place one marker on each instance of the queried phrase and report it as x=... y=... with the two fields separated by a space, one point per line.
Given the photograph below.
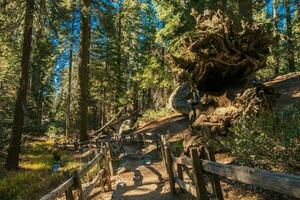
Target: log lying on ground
x=217 y=55
x=219 y=61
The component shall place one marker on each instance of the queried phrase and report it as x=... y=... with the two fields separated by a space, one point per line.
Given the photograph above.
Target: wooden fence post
x=180 y=174
x=163 y=154
x=69 y=194
x=215 y=178
x=109 y=159
x=78 y=185
x=169 y=165
x=157 y=141
x=99 y=166
x=198 y=175
x=102 y=186
x=140 y=140
x=107 y=173
x=145 y=141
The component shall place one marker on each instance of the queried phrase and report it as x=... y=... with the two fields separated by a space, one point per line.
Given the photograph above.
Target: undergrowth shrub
x=268 y=141
x=26 y=185
x=153 y=114
x=54 y=130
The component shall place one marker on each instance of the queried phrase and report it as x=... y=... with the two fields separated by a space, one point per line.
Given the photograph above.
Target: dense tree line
x=73 y=64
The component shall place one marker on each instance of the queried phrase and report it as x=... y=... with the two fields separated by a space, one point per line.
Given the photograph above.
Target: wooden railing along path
x=104 y=170
x=277 y=182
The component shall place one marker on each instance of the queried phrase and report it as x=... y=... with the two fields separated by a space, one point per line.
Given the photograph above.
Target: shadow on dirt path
x=140 y=181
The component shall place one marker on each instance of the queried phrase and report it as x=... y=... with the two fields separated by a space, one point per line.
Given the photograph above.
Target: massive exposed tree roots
x=218 y=59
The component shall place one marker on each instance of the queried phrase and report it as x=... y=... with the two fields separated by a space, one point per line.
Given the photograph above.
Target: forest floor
x=144 y=176
x=36 y=177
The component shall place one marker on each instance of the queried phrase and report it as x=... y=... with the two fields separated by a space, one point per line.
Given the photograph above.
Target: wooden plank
x=90 y=164
x=89 y=188
x=109 y=159
x=59 y=190
x=107 y=173
x=145 y=141
x=216 y=186
x=169 y=165
x=187 y=187
x=100 y=168
x=157 y=141
x=278 y=182
x=108 y=181
x=78 y=185
x=162 y=139
x=198 y=175
x=183 y=160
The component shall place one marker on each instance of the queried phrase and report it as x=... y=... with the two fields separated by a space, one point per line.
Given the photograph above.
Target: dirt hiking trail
x=142 y=174
x=144 y=178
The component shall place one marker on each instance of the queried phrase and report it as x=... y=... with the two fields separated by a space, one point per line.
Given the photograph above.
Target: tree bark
x=245 y=10
x=290 y=47
x=12 y=160
x=83 y=72
x=68 y=118
x=36 y=84
x=119 y=60
x=275 y=18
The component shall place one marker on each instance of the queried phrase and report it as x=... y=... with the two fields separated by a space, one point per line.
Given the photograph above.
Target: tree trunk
x=119 y=60
x=275 y=17
x=36 y=84
x=245 y=10
x=12 y=160
x=290 y=47
x=83 y=72
x=68 y=118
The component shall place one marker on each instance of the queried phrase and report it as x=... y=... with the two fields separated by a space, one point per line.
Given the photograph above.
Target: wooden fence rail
x=103 y=163
x=277 y=182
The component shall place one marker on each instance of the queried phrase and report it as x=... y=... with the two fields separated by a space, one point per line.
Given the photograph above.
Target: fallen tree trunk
x=216 y=55
x=218 y=62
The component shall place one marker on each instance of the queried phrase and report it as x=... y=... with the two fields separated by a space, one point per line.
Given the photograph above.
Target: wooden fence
x=115 y=141
x=277 y=182
x=104 y=170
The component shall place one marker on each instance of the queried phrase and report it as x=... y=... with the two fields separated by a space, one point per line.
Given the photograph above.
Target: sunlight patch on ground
x=142 y=190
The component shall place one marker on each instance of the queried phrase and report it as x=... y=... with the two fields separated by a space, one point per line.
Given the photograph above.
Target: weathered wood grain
x=187 y=187
x=59 y=190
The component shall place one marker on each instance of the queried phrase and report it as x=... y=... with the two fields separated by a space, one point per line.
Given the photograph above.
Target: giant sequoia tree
x=12 y=160
x=83 y=71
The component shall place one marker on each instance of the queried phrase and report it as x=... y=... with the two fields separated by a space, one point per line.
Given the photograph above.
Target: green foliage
x=25 y=185
x=177 y=147
x=152 y=115
x=156 y=75
x=54 y=131
x=268 y=141
x=35 y=177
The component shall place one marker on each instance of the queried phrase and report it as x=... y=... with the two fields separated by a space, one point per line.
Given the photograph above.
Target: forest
x=75 y=74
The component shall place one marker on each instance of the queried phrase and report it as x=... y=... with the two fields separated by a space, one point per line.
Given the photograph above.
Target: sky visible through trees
x=124 y=61
x=69 y=67
x=63 y=60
